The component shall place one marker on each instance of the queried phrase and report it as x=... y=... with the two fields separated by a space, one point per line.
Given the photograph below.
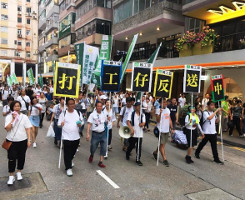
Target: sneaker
x=139 y=163
x=241 y=136
x=90 y=160
x=101 y=165
x=11 y=180
x=109 y=148
x=34 y=145
x=197 y=155
x=165 y=162
x=69 y=172
x=219 y=162
x=72 y=164
x=187 y=159
x=154 y=155
x=127 y=157
x=19 y=176
x=231 y=135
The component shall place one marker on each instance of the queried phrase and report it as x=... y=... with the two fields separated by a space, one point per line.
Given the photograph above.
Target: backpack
x=202 y=122
x=132 y=118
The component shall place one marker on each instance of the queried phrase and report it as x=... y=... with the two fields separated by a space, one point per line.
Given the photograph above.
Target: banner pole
x=107 y=131
x=138 y=149
x=159 y=136
x=191 y=119
x=221 y=134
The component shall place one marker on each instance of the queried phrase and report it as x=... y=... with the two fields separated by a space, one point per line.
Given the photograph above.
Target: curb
x=232 y=143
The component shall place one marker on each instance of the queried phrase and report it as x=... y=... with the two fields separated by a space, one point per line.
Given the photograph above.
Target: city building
x=19 y=37
x=93 y=19
x=48 y=36
x=155 y=21
x=166 y=20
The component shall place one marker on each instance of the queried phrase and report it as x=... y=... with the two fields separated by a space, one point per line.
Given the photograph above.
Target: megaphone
x=125 y=132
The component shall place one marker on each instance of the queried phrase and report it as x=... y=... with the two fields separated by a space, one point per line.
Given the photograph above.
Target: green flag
x=9 y=81
x=14 y=78
x=105 y=54
x=153 y=57
x=129 y=54
x=30 y=76
x=40 y=80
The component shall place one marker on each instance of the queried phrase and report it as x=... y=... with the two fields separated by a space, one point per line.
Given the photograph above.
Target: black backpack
x=202 y=122
x=132 y=118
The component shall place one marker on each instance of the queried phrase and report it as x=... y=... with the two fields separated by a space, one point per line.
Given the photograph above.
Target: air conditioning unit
x=34 y=13
x=19 y=35
x=15 y=42
x=28 y=14
x=19 y=12
x=34 y=17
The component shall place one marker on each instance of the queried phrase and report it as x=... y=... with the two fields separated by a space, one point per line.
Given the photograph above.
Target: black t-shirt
x=173 y=111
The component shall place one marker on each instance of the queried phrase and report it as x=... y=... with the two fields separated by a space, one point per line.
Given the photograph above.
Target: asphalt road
x=201 y=180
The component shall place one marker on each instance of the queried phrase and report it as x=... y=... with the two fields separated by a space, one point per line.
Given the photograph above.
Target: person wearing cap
x=136 y=123
x=123 y=117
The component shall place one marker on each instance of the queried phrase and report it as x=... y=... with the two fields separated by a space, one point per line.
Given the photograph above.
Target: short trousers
x=164 y=138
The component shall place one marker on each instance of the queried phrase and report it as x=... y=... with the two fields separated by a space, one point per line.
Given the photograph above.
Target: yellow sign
x=225 y=13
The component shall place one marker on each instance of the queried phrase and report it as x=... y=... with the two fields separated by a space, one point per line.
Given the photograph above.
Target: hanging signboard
x=192 y=79
x=218 y=91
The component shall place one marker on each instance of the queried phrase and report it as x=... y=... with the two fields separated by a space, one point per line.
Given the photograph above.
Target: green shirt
x=225 y=106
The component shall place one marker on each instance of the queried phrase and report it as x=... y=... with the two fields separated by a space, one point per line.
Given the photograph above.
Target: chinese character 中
x=142 y=78
x=218 y=88
x=163 y=85
x=192 y=80
x=64 y=79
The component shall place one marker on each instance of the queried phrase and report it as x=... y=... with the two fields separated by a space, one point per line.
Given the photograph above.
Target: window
x=19 y=31
x=28 y=10
x=17 y=53
x=28 y=54
x=4 y=52
x=19 y=43
x=28 y=32
x=4 y=5
x=4 y=41
x=194 y=25
x=28 y=21
x=19 y=20
x=28 y=0
x=4 y=29
x=4 y=17
x=28 y=44
x=19 y=8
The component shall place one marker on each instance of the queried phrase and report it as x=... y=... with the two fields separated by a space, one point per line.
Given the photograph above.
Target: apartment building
x=19 y=37
x=48 y=35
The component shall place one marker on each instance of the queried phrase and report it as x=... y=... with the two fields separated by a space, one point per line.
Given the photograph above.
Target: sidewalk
x=234 y=141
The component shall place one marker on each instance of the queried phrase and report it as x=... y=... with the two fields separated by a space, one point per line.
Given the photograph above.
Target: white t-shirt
x=98 y=121
x=111 y=115
x=124 y=101
x=34 y=109
x=138 y=131
x=5 y=94
x=209 y=125
x=70 y=130
x=182 y=102
x=58 y=110
x=205 y=102
x=115 y=104
x=14 y=94
x=164 y=120
x=51 y=89
x=194 y=125
x=23 y=104
x=18 y=131
x=38 y=91
x=6 y=108
x=43 y=103
x=125 y=116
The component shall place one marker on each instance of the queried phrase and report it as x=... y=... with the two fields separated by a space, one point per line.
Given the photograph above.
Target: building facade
x=19 y=37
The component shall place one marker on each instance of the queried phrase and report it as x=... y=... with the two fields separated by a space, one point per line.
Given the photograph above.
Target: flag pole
x=191 y=119
x=221 y=134
x=107 y=131
x=138 y=151
x=159 y=136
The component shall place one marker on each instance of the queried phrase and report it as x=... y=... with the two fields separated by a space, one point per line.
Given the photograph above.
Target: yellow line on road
x=232 y=147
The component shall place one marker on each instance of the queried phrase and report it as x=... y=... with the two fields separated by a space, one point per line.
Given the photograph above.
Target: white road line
x=107 y=179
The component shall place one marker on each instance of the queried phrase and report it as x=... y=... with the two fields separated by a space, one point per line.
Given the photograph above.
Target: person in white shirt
x=70 y=121
x=108 y=112
x=35 y=110
x=6 y=109
x=38 y=90
x=25 y=101
x=147 y=111
x=164 y=123
x=96 y=122
x=14 y=92
x=209 y=130
x=123 y=117
x=136 y=123
x=115 y=104
x=42 y=100
x=18 y=128
x=5 y=95
x=205 y=101
x=182 y=100
x=192 y=123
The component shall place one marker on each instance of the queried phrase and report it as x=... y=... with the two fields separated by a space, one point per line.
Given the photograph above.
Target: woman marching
x=18 y=128
x=34 y=115
x=192 y=122
x=42 y=100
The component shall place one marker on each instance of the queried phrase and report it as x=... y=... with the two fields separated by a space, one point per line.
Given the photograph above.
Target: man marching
x=164 y=123
x=96 y=122
x=136 y=123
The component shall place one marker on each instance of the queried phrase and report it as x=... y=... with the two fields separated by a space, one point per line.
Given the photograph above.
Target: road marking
x=232 y=147
x=113 y=184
